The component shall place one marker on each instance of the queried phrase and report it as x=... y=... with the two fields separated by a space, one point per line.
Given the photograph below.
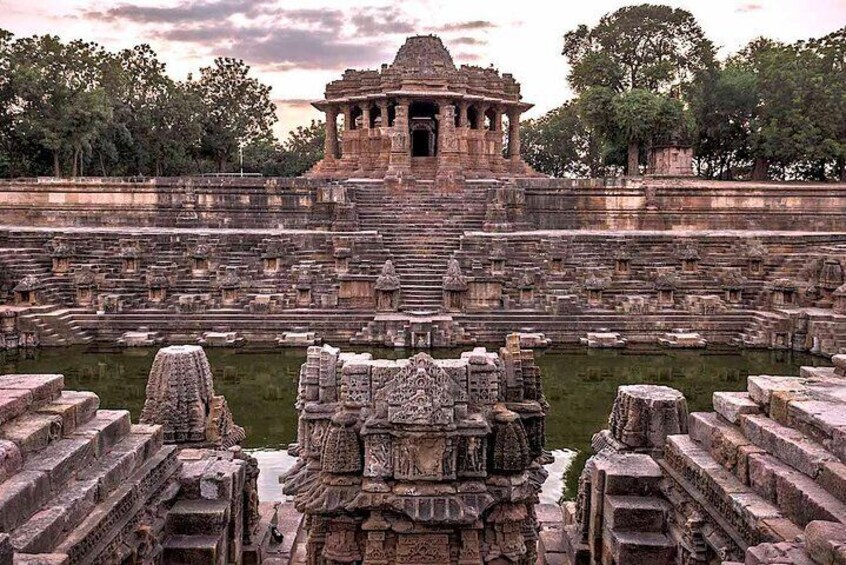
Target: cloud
x=185 y=12
x=468 y=26
x=468 y=57
x=750 y=7
x=298 y=103
x=371 y=22
x=467 y=41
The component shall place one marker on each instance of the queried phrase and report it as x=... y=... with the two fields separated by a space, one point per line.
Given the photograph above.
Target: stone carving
x=423 y=125
x=387 y=288
x=181 y=398
x=411 y=467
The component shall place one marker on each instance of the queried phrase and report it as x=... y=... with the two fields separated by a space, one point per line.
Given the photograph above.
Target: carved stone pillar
x=347 y=109
x=514 y=134
x=365 y=116
x=463 y=121
x=383 y=113
x=330 y=145
x=449 y=170
x=400 y=160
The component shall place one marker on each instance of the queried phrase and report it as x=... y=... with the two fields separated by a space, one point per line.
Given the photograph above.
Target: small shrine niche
x=455 y=287
x=61 y=254
x=527 y=288
x=783 y=293
x=689 y=256
x=85 y=283
x=200 y=260
x=734 y=295
x=594 y=287
x=665 y=287
x=755 y=255
x=271 y=259
x=61 y=264
x=555 y=265
x=156 y=294
x=129 y=265
x=733 y=284
x=497 y=259
x=756 y=266
x=622 y=261
x=230 y=286
x=387 y=289
x=28 y=291
x=342 y=259
x=157 y=285
x=303 y=289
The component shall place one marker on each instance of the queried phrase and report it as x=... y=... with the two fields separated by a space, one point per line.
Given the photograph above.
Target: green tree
x=724 y=103
x=559 y=144
x=237 y=109
x=631 y=53
x=303 y=149
x=59 y=100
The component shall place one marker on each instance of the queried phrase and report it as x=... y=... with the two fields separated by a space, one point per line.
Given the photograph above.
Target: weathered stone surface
x=826 y=542
x=644 y=415
x=431 y=456
x=731 y=405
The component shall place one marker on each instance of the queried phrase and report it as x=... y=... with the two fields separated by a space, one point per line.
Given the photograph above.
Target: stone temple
x=421 y=116
x=422 y=228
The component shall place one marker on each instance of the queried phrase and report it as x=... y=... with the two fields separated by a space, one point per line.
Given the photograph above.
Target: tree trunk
x=102 y=164
x=761 y=169
x=841 y=169
x=633 y=166
x=74 y=169
x=57 y=169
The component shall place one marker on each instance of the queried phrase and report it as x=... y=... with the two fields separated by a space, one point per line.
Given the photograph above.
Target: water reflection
x=260 y=387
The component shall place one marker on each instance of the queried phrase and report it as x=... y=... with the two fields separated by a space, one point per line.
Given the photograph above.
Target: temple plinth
x=424 y=117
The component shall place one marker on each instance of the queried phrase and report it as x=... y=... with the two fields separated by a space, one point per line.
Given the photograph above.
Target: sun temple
x=422 y=229
x=424 y=117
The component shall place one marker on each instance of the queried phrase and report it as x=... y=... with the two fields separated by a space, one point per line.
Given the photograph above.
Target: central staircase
x=421 y=228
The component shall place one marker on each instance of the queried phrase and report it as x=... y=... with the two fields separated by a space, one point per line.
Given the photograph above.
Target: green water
x=260 y=387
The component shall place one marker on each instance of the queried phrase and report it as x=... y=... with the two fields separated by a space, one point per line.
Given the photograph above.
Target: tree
x=58 y=96
x=237 y=109
x=303 y=149
x=635 y=51
x=559 y=144
x=724 y=103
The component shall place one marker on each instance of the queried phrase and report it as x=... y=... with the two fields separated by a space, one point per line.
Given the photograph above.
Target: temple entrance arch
x=423 y=128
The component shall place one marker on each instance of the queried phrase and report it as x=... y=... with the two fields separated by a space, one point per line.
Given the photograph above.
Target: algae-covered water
x=260 y=387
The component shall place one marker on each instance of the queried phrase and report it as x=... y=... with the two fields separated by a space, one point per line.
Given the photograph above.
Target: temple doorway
x=424 y=129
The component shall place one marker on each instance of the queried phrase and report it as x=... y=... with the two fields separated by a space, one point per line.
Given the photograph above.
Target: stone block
x=32 y=432
x=13 y=403
x=635 y=514
x=191 y=550
x=637 y=548
x=832 y=478
x=198 y=517
x=628 y=474
x=731 y=405
x=761 y=387
x=826 y=542
x=105 y=429
x=62 y=460
x=20 y=496
x=42 y=559
x=43 y=388
x=786 y=444
x=6 y=551
x=75 y=408
x=41 y=531
x=11 y=459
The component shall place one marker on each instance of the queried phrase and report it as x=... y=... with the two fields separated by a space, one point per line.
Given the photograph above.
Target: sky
x=297 y=46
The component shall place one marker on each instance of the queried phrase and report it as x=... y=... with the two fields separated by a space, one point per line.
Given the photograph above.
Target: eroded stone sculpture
x=181 y=398
x=420 y=460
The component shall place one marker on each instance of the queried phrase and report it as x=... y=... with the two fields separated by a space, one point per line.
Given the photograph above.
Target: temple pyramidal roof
x=423 y=67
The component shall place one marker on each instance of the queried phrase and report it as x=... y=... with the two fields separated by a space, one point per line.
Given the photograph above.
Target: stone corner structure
x=760 y=480
x=419 y=460
x=84 y=485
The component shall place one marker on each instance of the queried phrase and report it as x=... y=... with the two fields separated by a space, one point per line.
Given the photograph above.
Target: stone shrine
x=424 y=117
x=420 y=461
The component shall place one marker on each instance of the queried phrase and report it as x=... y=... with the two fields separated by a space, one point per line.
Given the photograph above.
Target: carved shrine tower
x=421 y=116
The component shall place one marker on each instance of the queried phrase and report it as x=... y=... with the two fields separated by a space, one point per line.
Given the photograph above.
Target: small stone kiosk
x=421 y=116
x=420 y=461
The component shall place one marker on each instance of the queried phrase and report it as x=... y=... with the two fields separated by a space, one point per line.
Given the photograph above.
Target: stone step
x=92 y=485
x=110 y=515
x=195 y=549
x=753 y=517
x=638 y=547
x=19 y=393
x=787 y=444
x=198 y=517
x=635 y=513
